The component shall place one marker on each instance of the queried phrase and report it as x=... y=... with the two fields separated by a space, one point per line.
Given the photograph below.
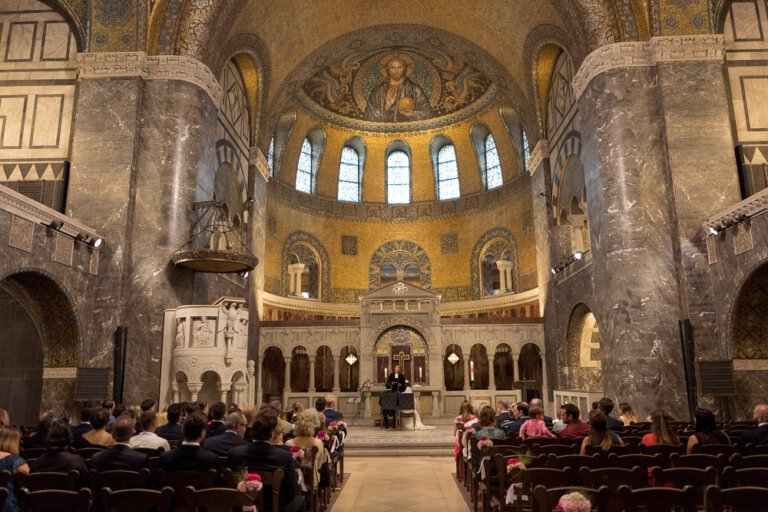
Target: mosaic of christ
x=396 y=86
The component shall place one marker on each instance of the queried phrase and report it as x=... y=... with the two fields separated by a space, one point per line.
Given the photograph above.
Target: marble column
x=224 y=388
x=436 y=404
x=632 y=228
x=467 y=386
x=503 y=284
x=287 y=382
x=295 y=270
x=491 y=375
x=336 y=370
x=312 y=360
x=194 y=389
x=175 y=386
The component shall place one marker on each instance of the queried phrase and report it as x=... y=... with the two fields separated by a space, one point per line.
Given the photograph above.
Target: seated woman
x=535 y=427
x=600 y=436
x=706 y=431
x=487 y=425
x=37 y=439
x=11 y=461
x=661 y=433
x=99 y=435
x=58 y=457
x=306 y=440
x=627 y=415
x=465 y=419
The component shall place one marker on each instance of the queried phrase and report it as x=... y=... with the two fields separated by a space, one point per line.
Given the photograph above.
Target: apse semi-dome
x=397 y=89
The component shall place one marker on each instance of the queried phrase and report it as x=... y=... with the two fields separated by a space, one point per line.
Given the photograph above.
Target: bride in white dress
x=407 y=422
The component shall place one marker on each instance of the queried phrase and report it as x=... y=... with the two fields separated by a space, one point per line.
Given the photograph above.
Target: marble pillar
x=467 y=385
x=287 y=382
x=491 y=374
x=336 y=371
x=632 y=227
x=312 y=374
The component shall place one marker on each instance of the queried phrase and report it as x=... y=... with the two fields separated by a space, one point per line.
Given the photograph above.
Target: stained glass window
x=398 y=178
x=349 y=175
x=304 y=169
x=493 y=177
x=447 y=173
x=271 y=157
x=526 y=151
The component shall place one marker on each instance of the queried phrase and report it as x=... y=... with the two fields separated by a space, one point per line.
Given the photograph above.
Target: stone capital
x=647 y=53
x=150 y=67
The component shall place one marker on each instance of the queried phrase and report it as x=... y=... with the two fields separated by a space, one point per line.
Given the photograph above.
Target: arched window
x=398 y=177
x=487 y=156
x=271 y=157
x=447 y=173
x=309 y=160
x=351 y=171
x=492 y=169
x=304 y=168
x=526 y=151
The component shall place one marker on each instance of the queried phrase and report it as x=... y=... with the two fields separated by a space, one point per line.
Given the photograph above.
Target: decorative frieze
x=647 y=53
x=59 y=373
x=750 y=364
x=152 y=67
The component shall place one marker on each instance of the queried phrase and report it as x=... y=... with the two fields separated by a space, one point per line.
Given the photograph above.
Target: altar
x=446 y=361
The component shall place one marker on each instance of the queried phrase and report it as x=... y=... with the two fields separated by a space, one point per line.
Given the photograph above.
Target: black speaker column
x=686 y=339
x=121 y=340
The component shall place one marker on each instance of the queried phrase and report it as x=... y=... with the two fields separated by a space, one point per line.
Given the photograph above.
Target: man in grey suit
x=234 y=426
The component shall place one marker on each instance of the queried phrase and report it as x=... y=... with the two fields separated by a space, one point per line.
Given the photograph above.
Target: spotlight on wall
x=570 y=260
x=55 y=225
x=249 y=202
x=728 y=221
x=578 y=255
x=244 y=275
x=712 y=231
x=96 y=242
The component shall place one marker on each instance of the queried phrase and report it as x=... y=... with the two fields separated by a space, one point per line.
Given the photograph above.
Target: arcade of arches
x=508 y=200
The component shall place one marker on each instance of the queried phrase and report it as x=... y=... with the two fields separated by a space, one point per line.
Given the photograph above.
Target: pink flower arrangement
x=514 y=464
x=250 y=483
x=322 y=435
x=296 y=452
x=484 y=442
x=574 y=502
x=341 y=424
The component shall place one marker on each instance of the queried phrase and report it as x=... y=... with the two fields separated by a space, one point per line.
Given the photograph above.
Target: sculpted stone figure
x=179 y=341
x=203 y=334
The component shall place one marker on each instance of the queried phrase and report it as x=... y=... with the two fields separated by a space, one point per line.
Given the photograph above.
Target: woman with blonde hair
x=627 y=415
x=10 y=441
x=305 y=439
x=600 y=436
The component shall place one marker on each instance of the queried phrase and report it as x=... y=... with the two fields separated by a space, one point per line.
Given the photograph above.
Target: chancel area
x=264 y=203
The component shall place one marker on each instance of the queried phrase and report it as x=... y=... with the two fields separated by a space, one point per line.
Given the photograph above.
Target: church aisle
x=400 y=484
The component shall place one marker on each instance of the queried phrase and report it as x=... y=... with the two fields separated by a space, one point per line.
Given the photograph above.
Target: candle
x=386 y=373
x=472 y=370
x=420 y=377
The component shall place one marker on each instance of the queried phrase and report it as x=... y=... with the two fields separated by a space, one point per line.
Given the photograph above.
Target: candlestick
x=420 y=376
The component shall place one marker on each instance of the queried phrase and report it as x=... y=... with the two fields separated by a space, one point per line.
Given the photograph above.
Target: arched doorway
x=478 y=367
x=504 y=367
x=272 y=374
x=299 y=370
x=584 y=367
x=531 y=370
x=349 y=369
x=453 y=368
x=38 y=329
x=750 y=318
x=405 y=346
x=209 y=393
x=324 y=369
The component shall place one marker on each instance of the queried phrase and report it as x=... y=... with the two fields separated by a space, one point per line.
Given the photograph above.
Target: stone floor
x=400 y=484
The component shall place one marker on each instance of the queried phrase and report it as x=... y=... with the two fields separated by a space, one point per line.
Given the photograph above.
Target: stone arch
x=571 y=146
x=390 y=322
x=478 y=359
x=530 y=366
x=503 y=366
x=76 y=24
x=251 y=56
x=272 y=373
x=199 y=26
x=582 y=363
x=227 y=154
x=749 y=316
x=480 y=248
x=324 y=369
x=299 y=369
x=541 y=47
x=325 y=263
x=597 y=21
x=419 y=256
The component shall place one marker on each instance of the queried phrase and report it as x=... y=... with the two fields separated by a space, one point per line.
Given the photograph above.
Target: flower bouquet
x=515 y=467
x=297 y=453
x=574 y=502
x=484 y=442
x=322 y=435
x=332 y=428
x=249 y=483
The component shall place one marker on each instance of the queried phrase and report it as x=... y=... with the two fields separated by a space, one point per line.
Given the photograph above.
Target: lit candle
x=420 y=377
x=386 y=373
x=472 y=370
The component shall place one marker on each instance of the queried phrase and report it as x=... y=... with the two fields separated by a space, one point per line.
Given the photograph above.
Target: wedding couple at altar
x=396 y=382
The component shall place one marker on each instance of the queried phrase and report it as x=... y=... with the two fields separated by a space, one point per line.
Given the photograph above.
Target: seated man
x=147 y=437
x=614 y=424
x=235 y=426
x=574 y=427
x=172 y=431
x=83 y=428
x=521 y=416
x=503 y=417
x=331 y=414
x=189 y=456
x=216 y=427
x=758 y=436
x=58 y=458
x=120 y=455
x=261 y=455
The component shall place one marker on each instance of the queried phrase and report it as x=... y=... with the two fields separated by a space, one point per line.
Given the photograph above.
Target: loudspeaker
x=686 y=340
x=121 y=341
x=741 y=164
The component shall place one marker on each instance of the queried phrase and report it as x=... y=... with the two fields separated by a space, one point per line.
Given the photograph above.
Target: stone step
x=399 y=451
